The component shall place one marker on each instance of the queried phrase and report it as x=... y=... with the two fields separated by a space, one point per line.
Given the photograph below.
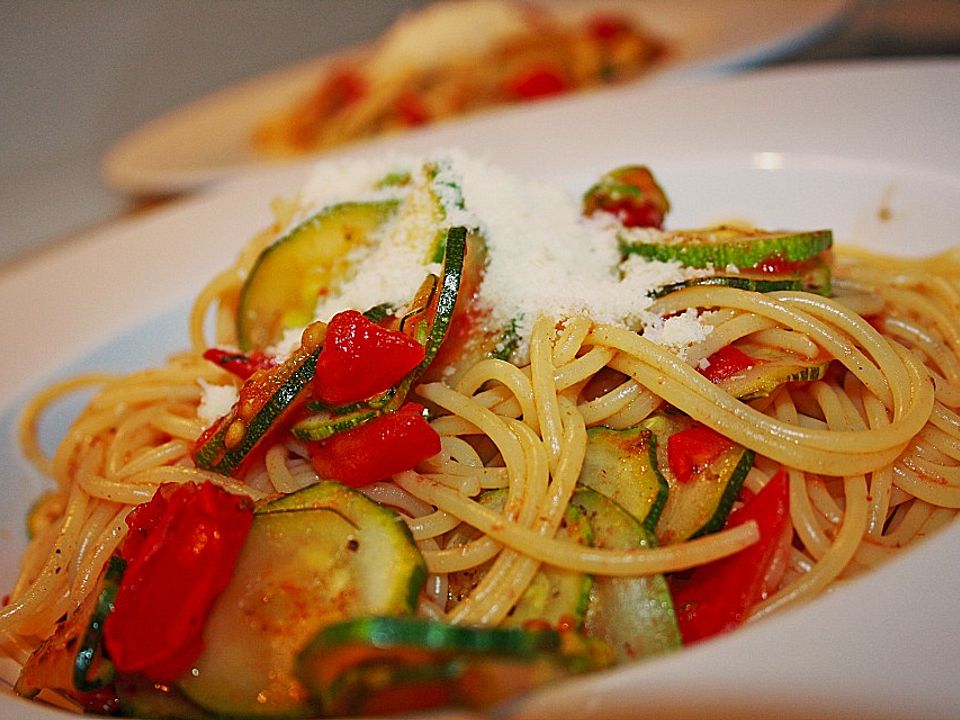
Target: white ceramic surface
x=823 y=147
x=209 y=140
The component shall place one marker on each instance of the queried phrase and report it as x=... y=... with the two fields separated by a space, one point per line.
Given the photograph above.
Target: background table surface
x=76 y=76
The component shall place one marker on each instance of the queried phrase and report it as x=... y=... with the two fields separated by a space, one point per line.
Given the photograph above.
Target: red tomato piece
x=605 y=28
x=243 y=366
x=411 y=110
x=632 y=195
x=180 y=552
x=536 y=82
x=716 y=597
x=726 y=362
x=694 y=448
x=377 y=449
x=361 y=359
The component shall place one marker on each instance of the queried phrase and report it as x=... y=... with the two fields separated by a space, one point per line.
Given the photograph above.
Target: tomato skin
x=180 y=551
x=632 y=195
x=411 y=110
x=243 y=366
x=716 y=597
x=536 y=82
x=361 y=359
x=377 y=449
x=693 y=448
x=726 y=362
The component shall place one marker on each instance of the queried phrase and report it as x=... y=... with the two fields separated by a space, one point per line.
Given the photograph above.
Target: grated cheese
x=544 y=256
x=215 y=401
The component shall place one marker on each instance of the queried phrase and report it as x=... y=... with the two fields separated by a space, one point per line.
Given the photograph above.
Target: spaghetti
x=870 y=446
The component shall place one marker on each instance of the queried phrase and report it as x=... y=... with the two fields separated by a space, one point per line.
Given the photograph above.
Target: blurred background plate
x=209 y=140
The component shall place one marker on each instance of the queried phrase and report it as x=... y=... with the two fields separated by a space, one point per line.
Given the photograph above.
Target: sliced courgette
x=772 y=368
x=287 y=279
x=391 y=665
x=632 y=194
x=264 y=400
x=622 y=465
x=700 y=505
x=726 y=245
x=317 y=556
x=555 y=596
x=428 y=323
x=633 y=615
x=71 y=660
x=741 y=282
x=142 y=698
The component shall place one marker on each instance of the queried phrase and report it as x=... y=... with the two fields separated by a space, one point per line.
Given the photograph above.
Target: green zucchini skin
x=725 y=245
x=623 y=465
x=282 y=287
x=701 y=505
x=773 y=368
x=348 y=665
x=141 y=698
x=287 y=382
x=633 y=615
x=320 y=555
x=431 y=322
x=740 y=282
x=555 y=596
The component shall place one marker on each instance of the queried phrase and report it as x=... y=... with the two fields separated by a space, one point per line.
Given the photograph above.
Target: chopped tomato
x=716 y=597
x=536 y=82
x=726 y=362
x=180 y=551
x=243 y=366
x=779 y=265
x=411 y=110
x=361 y=359
x=690 y=450
x=604 y=27
x=377 y=449
x=631 y=194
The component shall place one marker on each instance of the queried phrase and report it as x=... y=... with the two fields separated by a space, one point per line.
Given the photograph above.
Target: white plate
x=825 y=147
x=209 y=140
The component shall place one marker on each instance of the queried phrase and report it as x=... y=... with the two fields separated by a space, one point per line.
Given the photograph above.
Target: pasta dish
x=458 y=57
x=445 y=435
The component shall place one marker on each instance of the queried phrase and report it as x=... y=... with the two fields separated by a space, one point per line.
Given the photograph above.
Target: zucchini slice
x=71 y=660
x=555 y=596
x=264 y=400
x=142 y=698
x=701 y=505
x=772 y=368
x=633 y=615
x=388 y=665
x=284 y=284
x=317 y=556
x=752 y=283
x=427 y=323
x=622 y=465
x=726 y=245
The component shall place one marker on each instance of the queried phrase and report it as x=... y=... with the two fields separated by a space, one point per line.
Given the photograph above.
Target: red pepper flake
x=377 y=449
x=691 y=450
x=726 y=362
x=180 y=552
x=361 y=359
